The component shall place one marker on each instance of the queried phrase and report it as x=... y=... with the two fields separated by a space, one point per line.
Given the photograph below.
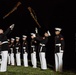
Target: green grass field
x=14 y=70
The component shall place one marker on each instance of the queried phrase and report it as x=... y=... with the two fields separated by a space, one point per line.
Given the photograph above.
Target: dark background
x=50 y=14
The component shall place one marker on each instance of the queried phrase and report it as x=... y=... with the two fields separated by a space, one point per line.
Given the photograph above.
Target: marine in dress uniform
x=25 y=51
x=18 y=51
x=4 y=48
x=59 y=49
x=33 y=51
x=42 y=49
x=12 y=52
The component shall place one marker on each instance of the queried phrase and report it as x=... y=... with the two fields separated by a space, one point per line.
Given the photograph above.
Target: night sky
x=50 y=14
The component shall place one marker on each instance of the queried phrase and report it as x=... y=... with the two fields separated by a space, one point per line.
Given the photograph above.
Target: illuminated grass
x=14 y=70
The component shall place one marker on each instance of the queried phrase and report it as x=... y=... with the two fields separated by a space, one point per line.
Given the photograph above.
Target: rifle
x=15 y=8
x=33 y=14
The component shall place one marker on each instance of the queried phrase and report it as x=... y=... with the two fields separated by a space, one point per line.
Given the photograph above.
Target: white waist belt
x=24 y=47
x=4 y=42
x=17 y=47
x=42 y=44
x=32 y=46
x=58 y=44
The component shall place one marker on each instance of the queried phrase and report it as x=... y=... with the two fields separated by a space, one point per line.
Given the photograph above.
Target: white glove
x=61 y=51
x=36 y=30
x=25 y=52
x=34 y=52
x=12 y=26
